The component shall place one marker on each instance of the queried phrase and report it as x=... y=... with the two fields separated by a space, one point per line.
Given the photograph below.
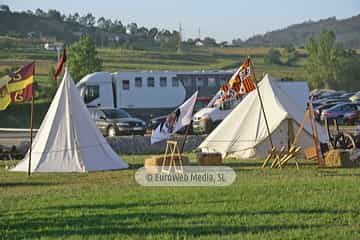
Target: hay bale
x=157 y=161
x=209 y=159
x=339 y=158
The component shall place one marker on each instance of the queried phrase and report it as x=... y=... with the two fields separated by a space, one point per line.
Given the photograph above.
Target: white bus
x=142 y=93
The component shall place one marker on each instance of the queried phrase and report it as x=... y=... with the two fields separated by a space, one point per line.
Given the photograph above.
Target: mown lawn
x=262 y=204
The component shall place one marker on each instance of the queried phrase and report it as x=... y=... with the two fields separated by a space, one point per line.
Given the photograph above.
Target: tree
x=272 y=57
x=54 y=14
x=87 y=20
x=83 y=58
x=132 y=28
x=209 y=42
x=116 y=27
x=101 y=23
x=4 y=8
x=237 y=42
x=40 y=13
x=53 y=83
x=168 y=40
x=289 y=53
x=348 y=73
x=143 y=32
x=73 y=18
x=322 y=64
x=153 y=32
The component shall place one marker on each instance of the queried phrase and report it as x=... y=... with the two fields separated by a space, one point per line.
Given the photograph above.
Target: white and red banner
x=175 y=121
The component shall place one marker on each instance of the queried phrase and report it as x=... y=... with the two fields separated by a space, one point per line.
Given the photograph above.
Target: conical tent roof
x=243 y=132
x=68 y=140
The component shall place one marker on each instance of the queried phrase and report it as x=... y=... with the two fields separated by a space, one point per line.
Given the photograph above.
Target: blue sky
x=224 y=20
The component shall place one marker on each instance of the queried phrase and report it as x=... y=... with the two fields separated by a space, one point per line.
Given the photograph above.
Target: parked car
x=319 y=103
x=206 y=119
x=112 y=122
x=347 y=95
x=320 y=108
x=338 y=111
x=200 y=103
x=154 y=123
x=355 y=97
x=331 y=94
x=320 y=93
x=352 y=118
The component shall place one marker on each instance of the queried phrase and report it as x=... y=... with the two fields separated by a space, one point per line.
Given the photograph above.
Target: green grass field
x=309 y=203
x=118 y=59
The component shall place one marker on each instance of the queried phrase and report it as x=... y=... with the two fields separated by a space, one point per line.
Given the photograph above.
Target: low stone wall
x=141 y=144
x=123 y=145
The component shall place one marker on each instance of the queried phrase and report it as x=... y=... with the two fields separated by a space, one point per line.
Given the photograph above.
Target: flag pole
x=187 y=132
x=31 y=121
x=185 y=137
x=261 y=104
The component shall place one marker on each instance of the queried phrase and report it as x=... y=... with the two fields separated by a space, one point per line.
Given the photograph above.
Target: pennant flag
x=240 y=83
x=17 y=87
x=60 y=64
x=175 y=121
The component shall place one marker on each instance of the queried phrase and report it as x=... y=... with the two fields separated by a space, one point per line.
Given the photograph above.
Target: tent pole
x=315 y=136
x=31 y=123
x=261 y=104
x=185 y=137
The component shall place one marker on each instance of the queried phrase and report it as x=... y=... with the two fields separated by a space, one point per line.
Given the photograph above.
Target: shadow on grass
x=89 y=223
x=337 y=174
x=25 y=184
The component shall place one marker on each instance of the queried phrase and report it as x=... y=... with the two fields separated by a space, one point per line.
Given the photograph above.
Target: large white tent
x=68 y=140
x=243 y=132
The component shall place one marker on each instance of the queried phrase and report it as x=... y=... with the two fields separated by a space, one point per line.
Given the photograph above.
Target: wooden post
x=185 y=137
x=315 y=136
x=261 y=104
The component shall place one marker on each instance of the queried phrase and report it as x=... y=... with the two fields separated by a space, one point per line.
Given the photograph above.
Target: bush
x=272 y=57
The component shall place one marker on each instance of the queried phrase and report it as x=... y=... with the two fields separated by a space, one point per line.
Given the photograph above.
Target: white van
x=206 y=119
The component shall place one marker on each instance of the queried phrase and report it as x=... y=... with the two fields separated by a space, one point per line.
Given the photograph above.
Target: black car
x=155 y=122
x=113 y=122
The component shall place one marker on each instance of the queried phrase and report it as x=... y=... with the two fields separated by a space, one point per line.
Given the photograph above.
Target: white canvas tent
x=68 y=140
x=243 y=132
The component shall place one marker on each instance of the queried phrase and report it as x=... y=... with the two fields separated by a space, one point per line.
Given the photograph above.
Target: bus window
x=91 y=93
x=126 y=84
x=150 y=82
x=175 y=82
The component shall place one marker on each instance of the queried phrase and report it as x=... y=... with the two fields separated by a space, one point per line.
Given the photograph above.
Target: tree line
x=104 y=32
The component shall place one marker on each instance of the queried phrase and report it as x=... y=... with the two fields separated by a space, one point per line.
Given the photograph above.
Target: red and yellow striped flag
x=242 y=78
x=240 y=83
x=17 y=87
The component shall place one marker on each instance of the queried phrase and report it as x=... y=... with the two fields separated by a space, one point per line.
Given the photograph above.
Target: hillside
x=347 y=33
x=27 y=25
